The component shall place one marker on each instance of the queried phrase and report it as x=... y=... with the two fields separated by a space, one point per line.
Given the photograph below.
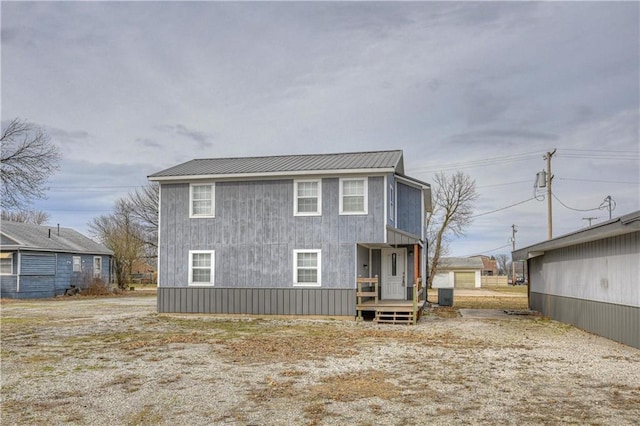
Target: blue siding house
x=289 y=235
x=42 y=261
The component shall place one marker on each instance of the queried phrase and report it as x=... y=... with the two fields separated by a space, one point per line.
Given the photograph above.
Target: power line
x=503 y=208
x=600 y=181
x=488 y=251
x=571 y=208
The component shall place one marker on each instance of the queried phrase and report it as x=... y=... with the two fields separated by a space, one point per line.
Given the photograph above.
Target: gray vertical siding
x=257 y=301
x=254 y=233
x=616 y=322
x=409 y=209
x=594 y=286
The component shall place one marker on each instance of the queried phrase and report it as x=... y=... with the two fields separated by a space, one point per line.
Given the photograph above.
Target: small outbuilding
x=44 y=261
x=458 y=272
x=590 y=278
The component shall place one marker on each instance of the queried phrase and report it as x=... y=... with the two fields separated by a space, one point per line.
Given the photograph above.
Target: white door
x=394 y=274
x=97 y=267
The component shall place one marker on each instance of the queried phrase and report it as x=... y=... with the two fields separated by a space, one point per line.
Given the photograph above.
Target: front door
x=394 y=265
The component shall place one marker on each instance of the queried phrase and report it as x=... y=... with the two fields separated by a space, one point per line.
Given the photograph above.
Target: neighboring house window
x=97 y=267
x=392 y=203
x=307 y=267
x=77 y=264
x=201 y=267
x=202 y=200
x=353 y=196
x=6 y=264
x=307 y=197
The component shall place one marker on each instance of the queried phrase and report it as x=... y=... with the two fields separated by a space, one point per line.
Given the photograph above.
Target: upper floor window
x=307 y=267
x=6 y=264
x=201 y=200
x=307 y=195
x=201 y=267
x=353 y=196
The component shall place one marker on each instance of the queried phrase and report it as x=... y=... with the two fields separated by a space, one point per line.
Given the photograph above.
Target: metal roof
x=46 y=238
x=460 y=263
x=618 y=226
x=286 y=164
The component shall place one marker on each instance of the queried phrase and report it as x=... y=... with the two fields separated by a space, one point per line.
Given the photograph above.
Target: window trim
x=212 y=213
x=212 y=268
x=392 y=203
x=73 y=263
x=296 y=197
x=10 y=257
x=365 y=188
x=318 y=283
x=97 y=273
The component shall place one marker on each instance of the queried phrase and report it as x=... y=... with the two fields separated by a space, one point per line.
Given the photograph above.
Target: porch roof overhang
x=397 y=237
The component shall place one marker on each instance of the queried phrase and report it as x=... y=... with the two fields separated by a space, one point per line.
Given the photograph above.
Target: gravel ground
x=115 y=361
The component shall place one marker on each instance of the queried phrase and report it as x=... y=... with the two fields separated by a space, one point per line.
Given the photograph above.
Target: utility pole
x=549 y=204
x=610 y=204
x=513 y=246
x=589 y=219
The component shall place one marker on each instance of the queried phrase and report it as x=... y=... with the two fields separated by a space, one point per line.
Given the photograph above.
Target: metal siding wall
x=616 y=322
x=409 y=209
x=257 y=301
x=605 y=271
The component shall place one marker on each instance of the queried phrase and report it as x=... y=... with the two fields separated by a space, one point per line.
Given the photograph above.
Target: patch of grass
x=145 y=416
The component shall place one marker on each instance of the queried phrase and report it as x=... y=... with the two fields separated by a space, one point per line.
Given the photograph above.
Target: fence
x=494 y=280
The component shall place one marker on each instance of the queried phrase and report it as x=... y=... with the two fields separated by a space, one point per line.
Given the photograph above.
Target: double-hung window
x=307 y=268
x=307 y=195
x=77 y=264
x=202 y=200
x=201 y=267
x=6 y=264
x=353 y=196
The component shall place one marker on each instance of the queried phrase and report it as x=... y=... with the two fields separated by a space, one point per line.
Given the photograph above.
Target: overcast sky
x=128 y=89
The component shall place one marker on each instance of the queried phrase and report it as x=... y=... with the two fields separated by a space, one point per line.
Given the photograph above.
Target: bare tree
x=27 y=160
x=36 y=217
x=122 y=234
x=503 y=261
x=452 y=211
x=144 y=209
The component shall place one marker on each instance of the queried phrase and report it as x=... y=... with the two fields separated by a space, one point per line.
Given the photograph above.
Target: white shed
x=458 y=272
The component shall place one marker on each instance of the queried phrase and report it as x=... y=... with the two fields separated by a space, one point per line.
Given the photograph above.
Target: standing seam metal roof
x=287 y=163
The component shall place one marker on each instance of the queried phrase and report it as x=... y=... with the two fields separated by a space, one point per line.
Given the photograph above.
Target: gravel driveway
x=116 y=361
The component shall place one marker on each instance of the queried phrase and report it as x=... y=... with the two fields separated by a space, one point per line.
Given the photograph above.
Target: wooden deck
x=386 y=311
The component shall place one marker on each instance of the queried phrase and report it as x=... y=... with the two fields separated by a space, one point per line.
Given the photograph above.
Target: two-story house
x=289 y=235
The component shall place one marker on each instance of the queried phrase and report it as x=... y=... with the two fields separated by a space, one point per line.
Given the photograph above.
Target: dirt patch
x=116 y=361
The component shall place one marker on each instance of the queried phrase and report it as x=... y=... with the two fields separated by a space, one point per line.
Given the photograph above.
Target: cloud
x=203 y=139
x=501 y=137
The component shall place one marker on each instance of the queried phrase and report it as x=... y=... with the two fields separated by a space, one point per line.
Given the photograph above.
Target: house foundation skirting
x=616 y=322
x=257 y=301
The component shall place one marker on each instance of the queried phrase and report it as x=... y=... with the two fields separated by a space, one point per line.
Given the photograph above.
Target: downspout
x=18 y=273
x=423 y=250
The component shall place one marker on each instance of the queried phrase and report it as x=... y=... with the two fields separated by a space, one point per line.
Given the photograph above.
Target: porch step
x=393 y=317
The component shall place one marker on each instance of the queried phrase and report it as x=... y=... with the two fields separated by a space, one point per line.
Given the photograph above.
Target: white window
x=307 y=267
x=353 y=196
x=307 y=195
x=97 y=267
x=6 y=264
x=77 y=264
x=202 y=200
x=201 y=267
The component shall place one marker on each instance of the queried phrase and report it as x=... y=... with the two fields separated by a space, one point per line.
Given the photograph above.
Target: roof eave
x=289 y=174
